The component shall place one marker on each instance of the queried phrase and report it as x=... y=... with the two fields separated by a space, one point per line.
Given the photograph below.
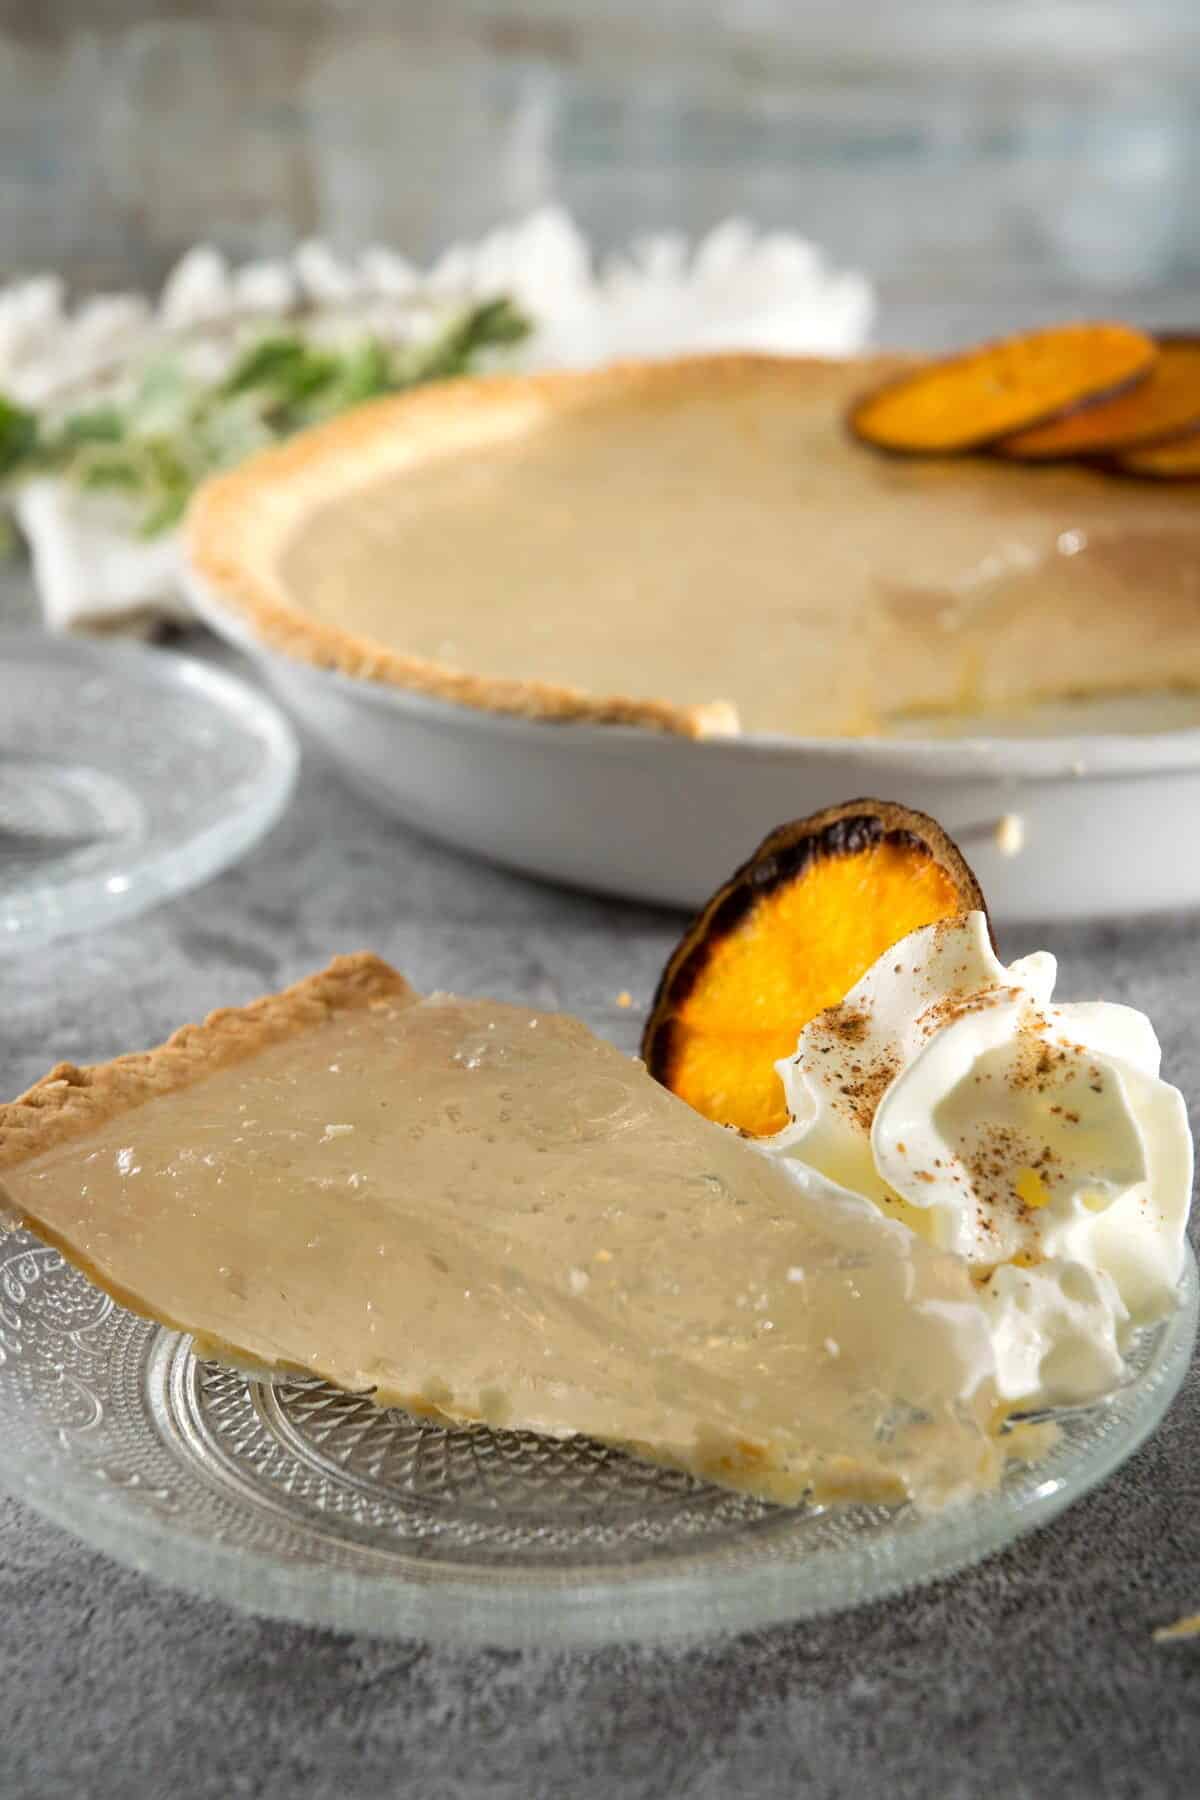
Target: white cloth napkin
x=736 y=289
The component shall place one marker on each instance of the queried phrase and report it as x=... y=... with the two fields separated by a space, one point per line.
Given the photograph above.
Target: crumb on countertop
x=1187 y=1627
x=1010 y=834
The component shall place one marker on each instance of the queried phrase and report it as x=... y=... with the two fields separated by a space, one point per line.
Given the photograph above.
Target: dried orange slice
x=788 y=935
x=1166 y=403
x=964 y=402
x=1177 y=461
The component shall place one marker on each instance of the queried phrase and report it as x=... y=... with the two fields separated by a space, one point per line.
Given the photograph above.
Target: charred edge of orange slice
x=786 y=856
x=975 y=398
x=1163 y=406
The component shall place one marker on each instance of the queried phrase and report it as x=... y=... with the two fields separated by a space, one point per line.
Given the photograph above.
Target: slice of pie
x=483 y=1213
x=699 y=546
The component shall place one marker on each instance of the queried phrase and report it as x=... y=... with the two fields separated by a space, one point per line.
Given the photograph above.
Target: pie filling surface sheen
x=485 y=1213
x=707 y=537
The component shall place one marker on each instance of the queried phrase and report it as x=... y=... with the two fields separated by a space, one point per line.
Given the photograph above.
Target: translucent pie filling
x=721 y=537
x=488 y=1214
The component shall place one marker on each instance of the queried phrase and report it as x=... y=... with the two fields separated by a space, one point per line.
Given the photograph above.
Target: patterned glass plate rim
x=293 y=1500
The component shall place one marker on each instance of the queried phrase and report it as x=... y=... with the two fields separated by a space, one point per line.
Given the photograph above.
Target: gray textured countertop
x=1032 y=1674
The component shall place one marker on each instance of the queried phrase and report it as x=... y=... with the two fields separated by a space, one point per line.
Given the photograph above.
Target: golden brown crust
x=239 y=520
x=68 y=1102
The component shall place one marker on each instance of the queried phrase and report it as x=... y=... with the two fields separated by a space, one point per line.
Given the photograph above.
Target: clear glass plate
x=293 y=1499
x=126 y=775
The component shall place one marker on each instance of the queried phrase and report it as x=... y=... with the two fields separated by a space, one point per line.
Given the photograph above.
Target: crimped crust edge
x=70 y=1101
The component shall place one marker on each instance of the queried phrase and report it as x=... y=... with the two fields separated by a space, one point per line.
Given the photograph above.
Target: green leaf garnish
x=166 y=513
x=161 y=441
x=99 y=425
x=18 y=435
x=263 y=364
x=112 y=469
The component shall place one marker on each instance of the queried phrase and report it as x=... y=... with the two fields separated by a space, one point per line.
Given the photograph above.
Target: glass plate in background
x=126 y=775
x=294 y=1499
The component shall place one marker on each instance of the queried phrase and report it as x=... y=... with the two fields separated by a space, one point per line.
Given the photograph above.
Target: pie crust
x=68 y=1102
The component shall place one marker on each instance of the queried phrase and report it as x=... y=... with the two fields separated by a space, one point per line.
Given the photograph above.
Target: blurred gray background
x=980 y=159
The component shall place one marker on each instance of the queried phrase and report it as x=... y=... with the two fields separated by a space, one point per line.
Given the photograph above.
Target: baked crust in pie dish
x=697 y=547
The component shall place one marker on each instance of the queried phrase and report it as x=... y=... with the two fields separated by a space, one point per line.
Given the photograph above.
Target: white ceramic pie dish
x=1082 y=824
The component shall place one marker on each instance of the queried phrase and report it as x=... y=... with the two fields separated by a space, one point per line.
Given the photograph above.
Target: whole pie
x=701 y=547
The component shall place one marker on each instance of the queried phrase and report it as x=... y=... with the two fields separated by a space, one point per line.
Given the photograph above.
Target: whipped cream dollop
x=1035 y=1140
